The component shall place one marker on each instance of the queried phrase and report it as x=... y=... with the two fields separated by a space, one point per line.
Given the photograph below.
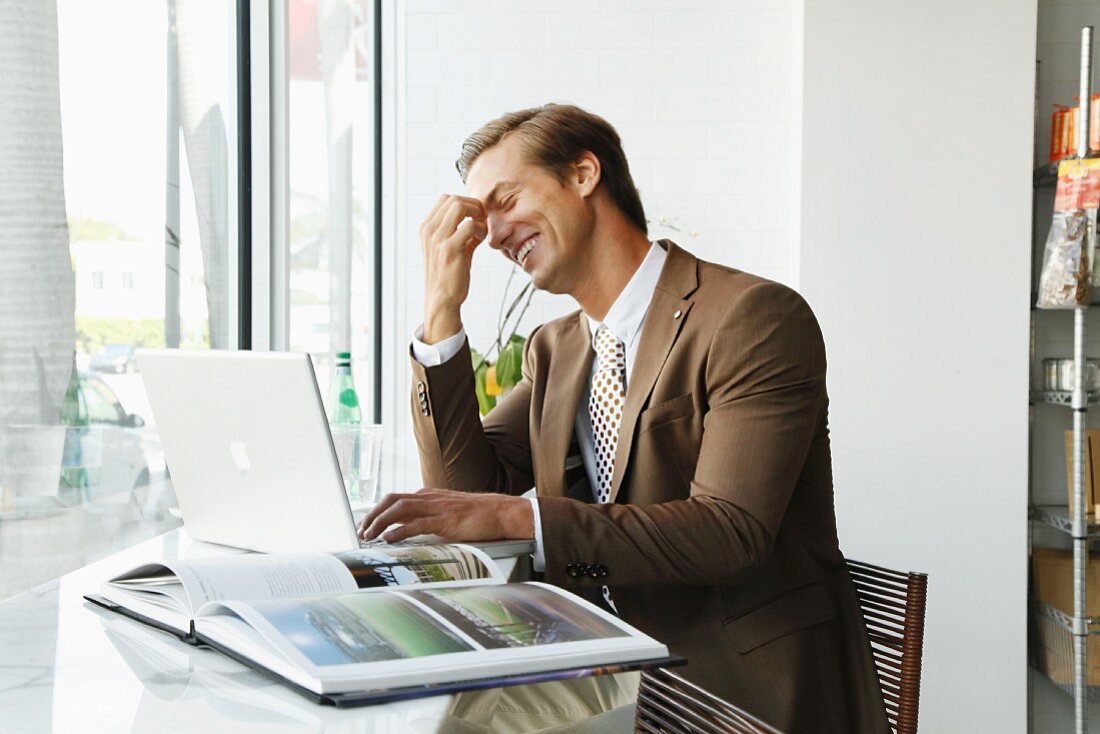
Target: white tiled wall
x=699 y=91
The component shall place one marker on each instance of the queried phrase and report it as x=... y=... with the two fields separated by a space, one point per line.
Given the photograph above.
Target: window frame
x=264 y=183
x=244 y=174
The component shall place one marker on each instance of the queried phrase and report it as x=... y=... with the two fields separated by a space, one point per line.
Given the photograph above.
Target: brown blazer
x=720 y=537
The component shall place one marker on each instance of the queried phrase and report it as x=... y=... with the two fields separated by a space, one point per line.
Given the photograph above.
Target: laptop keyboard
x=492 y=548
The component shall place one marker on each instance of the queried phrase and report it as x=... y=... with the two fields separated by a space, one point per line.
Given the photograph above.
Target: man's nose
x=499 y=231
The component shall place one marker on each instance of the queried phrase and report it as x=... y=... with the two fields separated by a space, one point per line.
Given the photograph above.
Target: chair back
x=893 y=605
x=668 y=704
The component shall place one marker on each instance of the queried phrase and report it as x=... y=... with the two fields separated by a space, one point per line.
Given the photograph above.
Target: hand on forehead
x=496 y=171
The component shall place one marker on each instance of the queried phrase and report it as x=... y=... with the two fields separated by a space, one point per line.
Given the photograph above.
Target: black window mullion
x=244 y=176
x=377 y=64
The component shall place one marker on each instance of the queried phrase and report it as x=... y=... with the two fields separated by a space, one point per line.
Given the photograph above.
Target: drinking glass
x=359 y=450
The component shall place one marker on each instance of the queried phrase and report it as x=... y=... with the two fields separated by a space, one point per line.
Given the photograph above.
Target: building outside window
x=126 y=154
x=130 y=238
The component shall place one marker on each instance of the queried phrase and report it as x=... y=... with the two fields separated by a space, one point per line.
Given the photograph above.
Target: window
x=136 y=133
x=130 y=134
x=331 y=129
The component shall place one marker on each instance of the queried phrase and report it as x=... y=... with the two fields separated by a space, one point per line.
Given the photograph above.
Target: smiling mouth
x=525 y=249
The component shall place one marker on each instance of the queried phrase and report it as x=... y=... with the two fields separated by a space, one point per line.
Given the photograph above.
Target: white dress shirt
x=625 y=319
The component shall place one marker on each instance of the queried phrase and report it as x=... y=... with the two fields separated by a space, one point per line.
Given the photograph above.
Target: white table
x=38 y=547
x=66 y=666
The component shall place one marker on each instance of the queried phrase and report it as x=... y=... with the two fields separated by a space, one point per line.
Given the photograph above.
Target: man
x=675 y=429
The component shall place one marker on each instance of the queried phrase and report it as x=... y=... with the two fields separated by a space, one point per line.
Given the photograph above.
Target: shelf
x=1057 y=517
x=1052 y=652
x=1059 y=397
x=1044 y=176
x=1065 y=621
x=1064 y=648
x=1093 y=691
x=1069 y=311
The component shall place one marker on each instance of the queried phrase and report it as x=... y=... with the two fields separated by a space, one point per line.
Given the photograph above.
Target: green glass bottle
x=74 y=415
x=344 y=401
x=345 y=417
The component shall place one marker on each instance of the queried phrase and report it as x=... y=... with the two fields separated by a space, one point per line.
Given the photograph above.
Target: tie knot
x=610 y=352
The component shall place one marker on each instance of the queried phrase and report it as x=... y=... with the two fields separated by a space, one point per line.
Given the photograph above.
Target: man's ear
x=586 y=173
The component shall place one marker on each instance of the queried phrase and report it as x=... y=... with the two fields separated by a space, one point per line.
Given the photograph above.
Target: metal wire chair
x=893 y=605
x=668 y=704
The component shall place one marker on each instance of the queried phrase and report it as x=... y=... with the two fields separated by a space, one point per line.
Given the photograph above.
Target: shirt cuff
x=433 y=355
x=538 y=559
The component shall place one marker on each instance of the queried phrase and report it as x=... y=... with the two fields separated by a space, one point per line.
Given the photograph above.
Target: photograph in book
x=168 y=593
x=424 y=564
x=516 y=616
x=359 y=628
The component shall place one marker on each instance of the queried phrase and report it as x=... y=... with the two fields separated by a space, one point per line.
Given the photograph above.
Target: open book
x=168 y=594
x=381 y=624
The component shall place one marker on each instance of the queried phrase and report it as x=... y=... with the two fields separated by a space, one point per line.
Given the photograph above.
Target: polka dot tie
x=605 y=406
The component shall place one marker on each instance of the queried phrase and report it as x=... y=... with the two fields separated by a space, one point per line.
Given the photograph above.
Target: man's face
x=534 y=219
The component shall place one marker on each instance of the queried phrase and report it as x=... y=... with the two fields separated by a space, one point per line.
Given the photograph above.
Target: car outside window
x=103 y=406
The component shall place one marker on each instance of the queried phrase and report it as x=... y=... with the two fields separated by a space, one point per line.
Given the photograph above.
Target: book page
x=343 y=629
x=187 y=585
x=422 y=635
x=515 y=615
x=397 y=565
x=258 y=576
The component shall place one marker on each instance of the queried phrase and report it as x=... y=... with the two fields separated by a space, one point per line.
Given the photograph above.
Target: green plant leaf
x=510 y=363
x=485 y=402
x=505 y=377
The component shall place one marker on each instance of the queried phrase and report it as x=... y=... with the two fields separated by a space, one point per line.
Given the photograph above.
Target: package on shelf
x=1078 y=185
x=1061 y=143
x=1052 y=571
x=1063 y=129
x=1052 y=581
x=1091 y=468
x=1066 y=275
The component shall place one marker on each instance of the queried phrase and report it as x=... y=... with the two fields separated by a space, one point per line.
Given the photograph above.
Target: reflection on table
x=40 y=543
x=62 y=659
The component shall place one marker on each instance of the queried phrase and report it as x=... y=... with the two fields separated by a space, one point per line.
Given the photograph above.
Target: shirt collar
x=627 y=313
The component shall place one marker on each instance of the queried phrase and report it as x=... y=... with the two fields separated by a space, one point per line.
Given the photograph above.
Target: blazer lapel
x=663 y=322
x=570 y=366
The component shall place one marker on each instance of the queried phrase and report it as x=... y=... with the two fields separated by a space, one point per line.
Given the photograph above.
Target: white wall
x=916 y=199
x=702 y=93
x=904 y=132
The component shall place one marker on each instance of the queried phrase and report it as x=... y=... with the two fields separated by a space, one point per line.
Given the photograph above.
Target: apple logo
x=240 y=457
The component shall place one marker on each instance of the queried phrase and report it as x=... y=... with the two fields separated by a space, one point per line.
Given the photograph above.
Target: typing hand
x=458 y=516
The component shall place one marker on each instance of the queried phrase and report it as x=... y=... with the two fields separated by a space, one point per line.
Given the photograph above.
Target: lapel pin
x=677 y=314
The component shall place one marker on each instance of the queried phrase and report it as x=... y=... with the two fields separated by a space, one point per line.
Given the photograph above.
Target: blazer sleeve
x=457 y=449
x=766 y=398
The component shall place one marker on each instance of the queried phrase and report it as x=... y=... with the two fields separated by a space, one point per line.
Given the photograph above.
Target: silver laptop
x=247 y=443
